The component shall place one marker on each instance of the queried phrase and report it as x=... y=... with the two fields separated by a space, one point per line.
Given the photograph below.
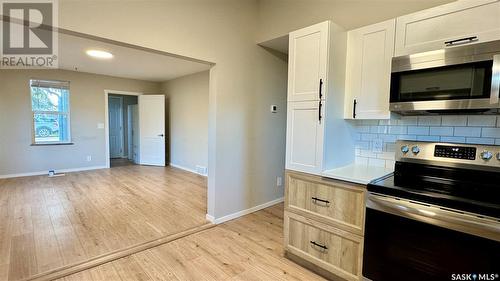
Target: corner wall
x=187 y=121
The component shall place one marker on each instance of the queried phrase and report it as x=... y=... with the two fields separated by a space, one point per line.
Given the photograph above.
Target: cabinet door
x=368 y=71
x=457 y=23
x=304 y=141
x=307 y=63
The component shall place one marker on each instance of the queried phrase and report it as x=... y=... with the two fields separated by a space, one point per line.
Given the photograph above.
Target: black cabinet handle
x=316 y=199
x=461 y=41
x=319 y=110
x=320 y=88
x=354 y=109
x=324 y=247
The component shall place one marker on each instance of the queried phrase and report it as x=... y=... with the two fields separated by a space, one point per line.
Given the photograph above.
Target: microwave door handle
x=495 y=80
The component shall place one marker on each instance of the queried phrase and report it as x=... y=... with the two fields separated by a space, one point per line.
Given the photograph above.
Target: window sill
x=50 y=144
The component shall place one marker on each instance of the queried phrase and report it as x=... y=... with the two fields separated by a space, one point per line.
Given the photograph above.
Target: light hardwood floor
x=248 y=248
x=47 y=223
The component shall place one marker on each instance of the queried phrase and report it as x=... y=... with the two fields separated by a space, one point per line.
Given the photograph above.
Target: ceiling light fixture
x=99 y=54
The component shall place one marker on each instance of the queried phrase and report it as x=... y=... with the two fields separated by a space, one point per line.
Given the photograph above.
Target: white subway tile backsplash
x=408 y=120
x=388 y=138
x=453 y=139
x=398 y=130
x=490 y=133
x=454 y=120
x=467 y=132
x=480 y=141
x=418 y=130
x=428 y=138
x=441 y=131
x=477 y=129
x=378 y=129
x=386 y=155
x=367 y=153
x=429 y=120
x=363 y=129
x=361 y=160
x=368 y=137
x=407 y=137
x=482 y=120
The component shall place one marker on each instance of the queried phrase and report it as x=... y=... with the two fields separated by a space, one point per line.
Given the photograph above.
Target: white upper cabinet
x=305 y=135
x=454 y=24
x=308 y=62
x=368 y=71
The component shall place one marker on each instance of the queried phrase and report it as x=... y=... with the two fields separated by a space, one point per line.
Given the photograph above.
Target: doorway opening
x=123 y=129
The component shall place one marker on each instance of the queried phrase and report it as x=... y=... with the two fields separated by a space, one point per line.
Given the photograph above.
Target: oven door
x=410 y=241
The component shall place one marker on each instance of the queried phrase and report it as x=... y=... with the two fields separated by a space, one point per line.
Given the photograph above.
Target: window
x=50 y=108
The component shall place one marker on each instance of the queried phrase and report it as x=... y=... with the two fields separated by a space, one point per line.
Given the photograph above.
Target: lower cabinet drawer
x=329 y=201
x=334 y=250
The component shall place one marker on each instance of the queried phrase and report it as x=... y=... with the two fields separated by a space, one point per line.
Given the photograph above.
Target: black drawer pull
x=461 y=41
x=315 y=200
x=324 y=247
x=354 y=109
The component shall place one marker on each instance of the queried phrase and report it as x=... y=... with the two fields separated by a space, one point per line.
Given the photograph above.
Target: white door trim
x=106 y=116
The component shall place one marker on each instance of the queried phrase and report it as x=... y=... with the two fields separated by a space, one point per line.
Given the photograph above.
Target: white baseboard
x=186 y=169
x=39 y=173
x=244 y=212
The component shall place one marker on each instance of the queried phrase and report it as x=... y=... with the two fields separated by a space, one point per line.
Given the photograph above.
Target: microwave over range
x=463 y=79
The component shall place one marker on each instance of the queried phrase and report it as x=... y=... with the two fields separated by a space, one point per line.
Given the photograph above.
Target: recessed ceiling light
x=99 y=54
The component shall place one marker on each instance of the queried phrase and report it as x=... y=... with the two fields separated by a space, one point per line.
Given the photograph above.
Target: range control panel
x=470 y=154
x=456 y=152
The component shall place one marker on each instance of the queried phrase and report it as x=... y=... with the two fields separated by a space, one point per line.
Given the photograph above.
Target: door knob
x=161 y=135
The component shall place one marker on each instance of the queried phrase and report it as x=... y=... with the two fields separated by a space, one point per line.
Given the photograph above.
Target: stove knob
x=498 y=156
x=405 y=149
x=415 y=150
x=486 y=155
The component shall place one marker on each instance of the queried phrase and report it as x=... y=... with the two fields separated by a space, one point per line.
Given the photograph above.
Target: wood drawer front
x=346 y=205
x=345 y=250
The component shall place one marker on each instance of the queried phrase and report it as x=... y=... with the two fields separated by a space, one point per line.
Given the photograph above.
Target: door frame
x=106 y=117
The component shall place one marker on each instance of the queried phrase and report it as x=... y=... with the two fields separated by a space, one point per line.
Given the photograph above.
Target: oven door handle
x=485 y=227
x=495 y=80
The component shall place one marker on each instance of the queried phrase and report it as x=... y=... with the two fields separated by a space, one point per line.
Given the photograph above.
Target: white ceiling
x=126 y=62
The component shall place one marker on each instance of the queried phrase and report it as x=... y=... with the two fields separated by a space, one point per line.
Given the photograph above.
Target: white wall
x=187 y=120
x=17 y=156
x=279 y=17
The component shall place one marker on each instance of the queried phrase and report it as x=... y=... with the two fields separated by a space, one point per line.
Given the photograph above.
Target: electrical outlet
x=378 y=145
x=89 y=158
x=274 y=108
x=279 y=181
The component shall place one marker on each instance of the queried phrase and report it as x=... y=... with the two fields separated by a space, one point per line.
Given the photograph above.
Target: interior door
x=304 y=142
x=308 y=60
x=152 y=130
x=115 y=127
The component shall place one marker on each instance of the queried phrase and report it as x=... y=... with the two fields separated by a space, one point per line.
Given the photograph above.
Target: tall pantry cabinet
x=316 y=73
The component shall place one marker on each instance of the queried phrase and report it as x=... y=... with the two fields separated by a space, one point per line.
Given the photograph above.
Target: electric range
x=436 y=216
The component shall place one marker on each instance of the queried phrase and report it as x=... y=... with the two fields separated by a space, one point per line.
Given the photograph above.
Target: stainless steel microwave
x=452 y=80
